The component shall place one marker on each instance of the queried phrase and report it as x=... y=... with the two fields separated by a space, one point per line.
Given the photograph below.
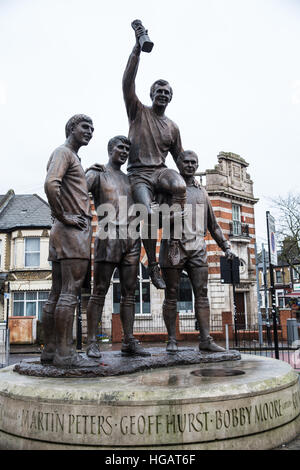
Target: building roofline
x=24 y=227
x=6 y=199
x=41 y=199
x=231 y=195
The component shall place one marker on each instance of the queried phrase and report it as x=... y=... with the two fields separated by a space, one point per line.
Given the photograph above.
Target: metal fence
x=4 y=346
x=259 y=340
x=149 y=325
x=187 y=324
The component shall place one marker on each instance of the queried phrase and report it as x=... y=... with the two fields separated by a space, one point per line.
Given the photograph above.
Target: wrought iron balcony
x=238 y=229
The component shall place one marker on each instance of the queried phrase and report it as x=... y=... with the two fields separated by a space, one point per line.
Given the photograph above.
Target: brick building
x=231 y=192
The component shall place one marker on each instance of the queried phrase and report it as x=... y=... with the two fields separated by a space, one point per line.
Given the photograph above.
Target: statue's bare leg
x=128 y=277
x=73 y=273
x=199 y=278
x=172 y=183
x=142 y=195
x=172 y=280
x=102 y=276
x=48 y=323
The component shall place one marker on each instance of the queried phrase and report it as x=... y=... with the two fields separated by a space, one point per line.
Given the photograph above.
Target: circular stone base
x=252 y=403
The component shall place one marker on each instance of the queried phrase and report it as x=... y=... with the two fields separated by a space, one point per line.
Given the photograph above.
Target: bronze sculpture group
x=148 y=183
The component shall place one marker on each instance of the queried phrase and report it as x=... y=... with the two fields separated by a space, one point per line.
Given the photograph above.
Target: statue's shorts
x=118 y=251
x=188 y=257
x=69 y=242
x=150 y=177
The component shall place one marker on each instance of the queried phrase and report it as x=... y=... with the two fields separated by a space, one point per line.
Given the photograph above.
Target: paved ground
x=19 y=352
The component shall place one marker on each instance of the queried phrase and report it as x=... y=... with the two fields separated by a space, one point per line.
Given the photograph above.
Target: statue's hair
x=160 y=82
x=74 y=120
x=118 y=138
x=186 y=152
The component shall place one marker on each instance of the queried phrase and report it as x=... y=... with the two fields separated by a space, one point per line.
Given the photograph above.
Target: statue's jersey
x=111 y=188
x=199 y=218
x=67 y=193
x=65 y=184
x=113 y=200
x=152 y=137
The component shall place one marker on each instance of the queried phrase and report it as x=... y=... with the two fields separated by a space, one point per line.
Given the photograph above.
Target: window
x=296 y=275
x=142 y=291
x=185 y=297
x=279 y=277
x=29 y=303
x=15 y=252
x=0 y=254
x=236 y=220
x=32 y=252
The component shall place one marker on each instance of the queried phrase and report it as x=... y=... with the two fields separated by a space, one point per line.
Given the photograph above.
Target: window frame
x=26 y=252
x=25 y=301
x=278 y=273
x=236 y=220
x=296 y=275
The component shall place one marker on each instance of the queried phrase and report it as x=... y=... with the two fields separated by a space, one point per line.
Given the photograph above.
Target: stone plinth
x=252 y=403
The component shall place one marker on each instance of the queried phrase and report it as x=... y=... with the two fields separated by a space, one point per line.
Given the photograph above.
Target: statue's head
x=118 y=149
x=161 y=93
x=187 y=163
x=81 y=127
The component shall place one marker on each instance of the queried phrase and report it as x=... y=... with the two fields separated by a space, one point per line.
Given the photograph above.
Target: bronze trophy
x=144 y=40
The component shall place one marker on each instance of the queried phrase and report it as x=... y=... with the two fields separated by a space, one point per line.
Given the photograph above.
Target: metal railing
x=238 y=229
x=258 y=340
x=187 y=323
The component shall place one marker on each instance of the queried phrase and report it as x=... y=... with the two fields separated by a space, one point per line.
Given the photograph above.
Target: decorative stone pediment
x=230 y=175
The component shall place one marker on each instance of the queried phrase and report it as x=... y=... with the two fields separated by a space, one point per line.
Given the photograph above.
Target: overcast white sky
x=233 y=64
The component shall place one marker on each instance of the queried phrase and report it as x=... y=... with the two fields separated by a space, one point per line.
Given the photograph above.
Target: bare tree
x=288 y=228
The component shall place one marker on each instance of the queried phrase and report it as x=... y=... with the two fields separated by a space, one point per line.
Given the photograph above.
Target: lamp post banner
x=272 y=239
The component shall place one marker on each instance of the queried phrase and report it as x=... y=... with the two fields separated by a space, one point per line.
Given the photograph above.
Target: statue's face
x=83 y=132
x=119 y=153
x=188 y=164
x=161 y=95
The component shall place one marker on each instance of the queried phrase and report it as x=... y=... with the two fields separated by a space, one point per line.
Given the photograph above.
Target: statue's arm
x=56 y=170
x=91 y=180
x=176 y=147
x=128 y=83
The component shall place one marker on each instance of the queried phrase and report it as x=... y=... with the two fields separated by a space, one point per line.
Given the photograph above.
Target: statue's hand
x=96 y=167
x=229 y=254
x=139 y=31
x=75 y=220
